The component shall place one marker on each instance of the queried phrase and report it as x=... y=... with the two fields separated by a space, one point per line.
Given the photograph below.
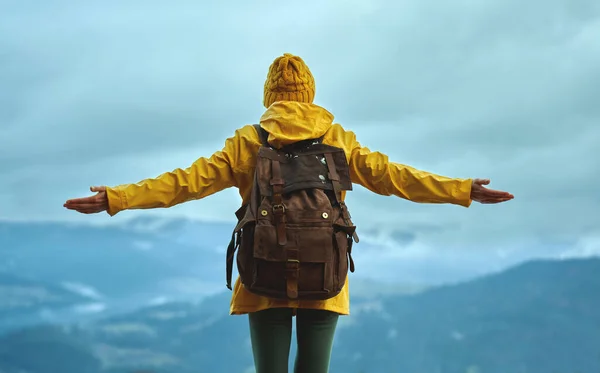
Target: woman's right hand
x=481 y=194
x=90 y=205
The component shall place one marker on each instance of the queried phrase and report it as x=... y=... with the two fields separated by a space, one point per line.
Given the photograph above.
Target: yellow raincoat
x=233 y=166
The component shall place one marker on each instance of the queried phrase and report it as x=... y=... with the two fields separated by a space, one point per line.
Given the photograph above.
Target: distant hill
x=26 y=302
x=539 y=317
x=130 y=264
x=179 y=259
x=53 y=272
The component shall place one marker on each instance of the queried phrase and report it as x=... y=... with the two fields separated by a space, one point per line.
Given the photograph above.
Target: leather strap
x=233 y=245
x=350 y=254
x=273 y=155
x=292 y=265
x=262 y=135
x=334 y=177
x=292 y=272
x=277 y=183
x=337 y=188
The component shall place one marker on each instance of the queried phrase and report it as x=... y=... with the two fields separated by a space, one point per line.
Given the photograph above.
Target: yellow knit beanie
x=289 y=79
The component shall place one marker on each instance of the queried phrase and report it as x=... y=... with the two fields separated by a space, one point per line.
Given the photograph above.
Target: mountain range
x=537 y=317
x=148 y=260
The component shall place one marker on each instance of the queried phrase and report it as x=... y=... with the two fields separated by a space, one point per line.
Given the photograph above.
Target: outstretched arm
x=374 y=171
x=204 y=177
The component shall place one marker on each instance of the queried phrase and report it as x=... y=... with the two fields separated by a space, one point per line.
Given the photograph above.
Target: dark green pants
x=271 y=335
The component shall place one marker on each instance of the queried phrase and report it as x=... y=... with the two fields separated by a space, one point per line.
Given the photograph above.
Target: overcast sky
x=113 y=92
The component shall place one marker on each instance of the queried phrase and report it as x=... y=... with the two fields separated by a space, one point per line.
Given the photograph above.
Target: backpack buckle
x=279 y=208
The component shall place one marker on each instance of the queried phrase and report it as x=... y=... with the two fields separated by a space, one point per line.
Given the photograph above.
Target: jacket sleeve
x=374 y=171
x=204 y=177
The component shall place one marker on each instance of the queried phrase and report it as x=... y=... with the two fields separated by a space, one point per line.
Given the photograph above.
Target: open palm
x=90 y=205
x=481 y=194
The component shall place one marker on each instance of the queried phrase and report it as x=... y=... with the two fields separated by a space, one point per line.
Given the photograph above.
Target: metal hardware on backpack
x=295 y=234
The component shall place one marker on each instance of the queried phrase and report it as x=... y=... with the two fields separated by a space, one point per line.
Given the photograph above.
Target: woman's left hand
x=90 y=205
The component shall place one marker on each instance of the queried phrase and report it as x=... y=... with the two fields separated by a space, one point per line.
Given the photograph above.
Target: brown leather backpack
x=295 y=234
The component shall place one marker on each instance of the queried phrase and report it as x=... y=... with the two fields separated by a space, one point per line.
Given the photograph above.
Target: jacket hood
x=290 y=121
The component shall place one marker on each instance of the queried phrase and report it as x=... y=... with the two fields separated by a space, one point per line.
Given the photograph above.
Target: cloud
x=158 y=301
x=117 y=92
x=83 y=290
x=90 y=308
x=142 y=245
x=587 y=246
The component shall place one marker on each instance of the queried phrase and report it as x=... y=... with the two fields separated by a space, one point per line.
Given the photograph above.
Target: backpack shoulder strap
x=262 y=135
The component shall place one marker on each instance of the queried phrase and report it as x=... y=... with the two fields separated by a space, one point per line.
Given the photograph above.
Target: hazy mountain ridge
x=539 y=317
x=175 y=259
x=26 y=302
x=127 y=265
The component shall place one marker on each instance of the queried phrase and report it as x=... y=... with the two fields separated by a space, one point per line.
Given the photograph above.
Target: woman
x=290 y=116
